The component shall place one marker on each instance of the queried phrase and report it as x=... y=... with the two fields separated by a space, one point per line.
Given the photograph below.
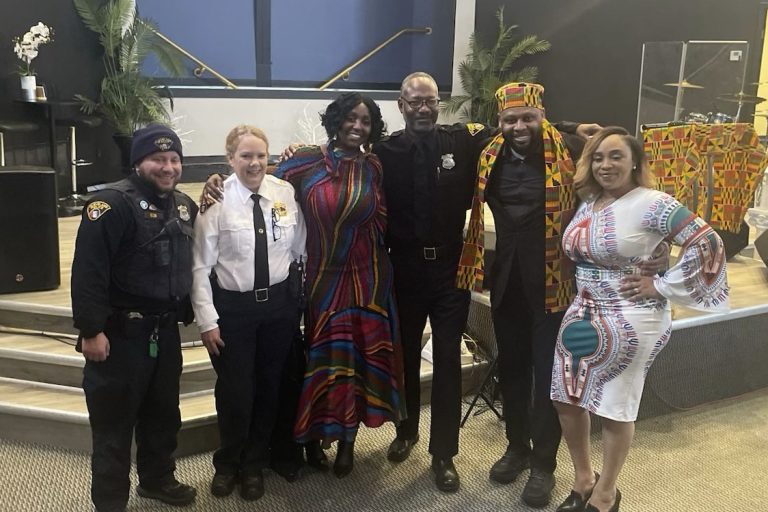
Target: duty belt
x=260 y=294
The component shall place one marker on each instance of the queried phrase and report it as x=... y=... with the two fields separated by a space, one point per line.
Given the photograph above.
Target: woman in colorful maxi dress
x=620 y=320
x=354 y=367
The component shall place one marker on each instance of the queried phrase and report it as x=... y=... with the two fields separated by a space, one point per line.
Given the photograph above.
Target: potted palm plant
x=127 y=98
x=488 y=68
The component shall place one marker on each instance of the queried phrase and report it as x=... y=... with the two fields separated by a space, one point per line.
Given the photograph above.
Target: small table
x=50 y=113
x=48 y=107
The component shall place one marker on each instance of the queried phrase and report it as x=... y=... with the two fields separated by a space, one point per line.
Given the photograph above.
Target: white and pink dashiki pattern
x=606 y=342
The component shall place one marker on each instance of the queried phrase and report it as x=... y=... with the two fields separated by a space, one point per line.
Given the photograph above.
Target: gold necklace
x=602 y=202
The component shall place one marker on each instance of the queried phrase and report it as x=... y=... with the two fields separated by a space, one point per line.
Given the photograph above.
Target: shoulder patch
x=96 y=209
x=475 y=128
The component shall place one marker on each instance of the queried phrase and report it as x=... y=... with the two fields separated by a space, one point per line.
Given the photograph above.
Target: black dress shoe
x=575 y=502
x=316 y=456
x=287 y=470
x=252 y=486
x=345 y=458
x=509 y=467
x=446 y=476
x=400 y=448
x=614 y=507
x=171 y=492
x=223 y=485
x=538 y=489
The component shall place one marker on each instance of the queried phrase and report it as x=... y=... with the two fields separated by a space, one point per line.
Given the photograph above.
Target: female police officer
x=246 y=313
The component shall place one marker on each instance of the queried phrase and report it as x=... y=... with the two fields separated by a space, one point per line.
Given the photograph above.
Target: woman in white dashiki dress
x=620 y=320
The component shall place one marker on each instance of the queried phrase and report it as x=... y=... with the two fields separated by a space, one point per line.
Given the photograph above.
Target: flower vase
x=28 y=85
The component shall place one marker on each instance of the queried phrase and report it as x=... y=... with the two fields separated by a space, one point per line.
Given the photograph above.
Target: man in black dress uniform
x=429 y=176
x=131 y=272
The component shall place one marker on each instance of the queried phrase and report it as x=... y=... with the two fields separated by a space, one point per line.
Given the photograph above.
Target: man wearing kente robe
x=525 y=174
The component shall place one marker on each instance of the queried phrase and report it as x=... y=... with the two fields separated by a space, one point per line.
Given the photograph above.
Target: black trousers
x=526 y=337
x=128 y=392
x=427 y=289
x=257 y=338
x=284 y=451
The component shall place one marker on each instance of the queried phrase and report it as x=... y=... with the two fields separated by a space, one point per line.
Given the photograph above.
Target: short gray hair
x=413 y=76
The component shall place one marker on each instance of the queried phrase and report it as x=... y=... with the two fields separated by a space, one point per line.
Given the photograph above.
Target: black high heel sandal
x=614 y=507
x=345 y=455
x=316 y=456
x=575 y=502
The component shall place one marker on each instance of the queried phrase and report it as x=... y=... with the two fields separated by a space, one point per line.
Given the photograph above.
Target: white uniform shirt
x=225 y=241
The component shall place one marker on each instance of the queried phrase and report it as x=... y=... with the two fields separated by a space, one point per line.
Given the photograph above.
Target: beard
x=533 y=144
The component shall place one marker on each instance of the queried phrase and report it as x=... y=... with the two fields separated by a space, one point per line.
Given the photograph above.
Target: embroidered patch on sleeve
x=96 y=209
x=475 y=128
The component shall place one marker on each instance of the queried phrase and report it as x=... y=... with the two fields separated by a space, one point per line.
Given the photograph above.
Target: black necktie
x=261 y=273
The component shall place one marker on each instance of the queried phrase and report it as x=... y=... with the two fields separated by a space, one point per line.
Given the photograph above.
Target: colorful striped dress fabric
x=354 y=368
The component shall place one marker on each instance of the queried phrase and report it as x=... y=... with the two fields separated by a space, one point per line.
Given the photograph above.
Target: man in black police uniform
x=131 y=272
x=429 y=178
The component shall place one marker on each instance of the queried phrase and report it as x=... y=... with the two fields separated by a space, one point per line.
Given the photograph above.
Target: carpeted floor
x=709 y=459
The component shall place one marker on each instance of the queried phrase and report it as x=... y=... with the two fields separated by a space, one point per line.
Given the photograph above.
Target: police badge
x=183 y=212
x=448 y=161
x=280 y=209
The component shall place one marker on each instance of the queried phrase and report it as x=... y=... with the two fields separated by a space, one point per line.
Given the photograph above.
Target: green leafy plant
x=487 y=69
x=127 y=99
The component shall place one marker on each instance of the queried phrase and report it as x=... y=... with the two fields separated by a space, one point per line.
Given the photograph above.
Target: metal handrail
x=345 y=72
x=201 y=66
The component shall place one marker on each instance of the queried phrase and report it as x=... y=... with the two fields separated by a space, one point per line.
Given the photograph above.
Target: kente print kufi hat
x=520 y=94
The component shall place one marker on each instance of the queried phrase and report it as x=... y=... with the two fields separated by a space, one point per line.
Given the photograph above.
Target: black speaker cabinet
x=29 y=230
x=734 y=242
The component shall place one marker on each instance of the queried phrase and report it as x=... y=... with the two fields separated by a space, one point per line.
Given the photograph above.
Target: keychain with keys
x=153 y=342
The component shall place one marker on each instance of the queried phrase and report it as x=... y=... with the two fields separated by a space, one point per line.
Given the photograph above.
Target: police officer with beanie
x=131 y=272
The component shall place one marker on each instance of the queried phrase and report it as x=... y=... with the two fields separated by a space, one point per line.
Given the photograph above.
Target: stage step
x=58 y=319
x=57 y=415
x=52 y=359
x=41 y=375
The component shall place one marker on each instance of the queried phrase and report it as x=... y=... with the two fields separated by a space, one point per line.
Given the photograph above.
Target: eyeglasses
x=277 y=231
x=416 y=104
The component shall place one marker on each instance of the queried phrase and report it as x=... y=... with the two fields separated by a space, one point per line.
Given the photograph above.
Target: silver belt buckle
x=430 y=253
x=262 y=294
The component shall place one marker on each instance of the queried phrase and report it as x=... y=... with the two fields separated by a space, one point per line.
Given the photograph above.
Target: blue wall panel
x=218 y=33
x=311 y=40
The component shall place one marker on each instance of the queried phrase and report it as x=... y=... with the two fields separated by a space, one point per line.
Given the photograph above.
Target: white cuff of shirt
x=207 y=318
